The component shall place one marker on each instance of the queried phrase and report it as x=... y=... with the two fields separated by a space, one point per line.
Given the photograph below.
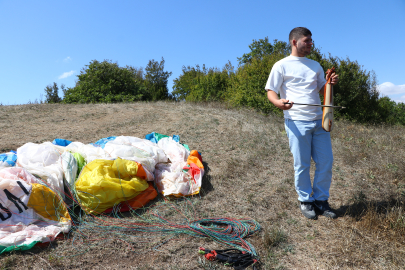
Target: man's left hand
x=334 y=79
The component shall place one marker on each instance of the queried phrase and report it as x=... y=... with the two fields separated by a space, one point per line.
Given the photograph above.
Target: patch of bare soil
x=249 y=173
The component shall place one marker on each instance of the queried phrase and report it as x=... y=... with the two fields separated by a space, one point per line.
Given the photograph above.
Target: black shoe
x=307 y=209
x=324 y=209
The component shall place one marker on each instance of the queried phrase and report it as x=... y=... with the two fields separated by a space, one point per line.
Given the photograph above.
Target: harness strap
x=238 y=259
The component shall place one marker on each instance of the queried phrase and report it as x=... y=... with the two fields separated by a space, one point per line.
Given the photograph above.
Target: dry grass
x=249 y=173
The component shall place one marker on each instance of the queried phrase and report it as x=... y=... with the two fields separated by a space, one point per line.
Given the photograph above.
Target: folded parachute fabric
x=61 y=142
x=101 y=143
x=107 y=176
x=181 y=177
x=45 y=161
x=156 y=137
x=175 y=151
x=105 y=183
x=30 y=213
x=140 y=150
x=69 y=166
x=88 y=151
x=8 y=159
x=139 y=201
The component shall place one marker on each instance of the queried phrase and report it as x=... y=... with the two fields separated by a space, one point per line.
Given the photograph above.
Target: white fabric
x=171 y=180
x=23 y=226
x=69 y=165
x=170 y=177
x=88 y=151
x=298 y=79
x=20 y=234
x=5 y=164
x=45 y=161
x=16 y=215
x=145 y=147
x=143 y=151
x=174 y=150
x=18 y=174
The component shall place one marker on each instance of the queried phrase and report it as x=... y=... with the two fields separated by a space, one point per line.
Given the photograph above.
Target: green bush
x=196 y=84
x=106 y=82
x=356 y=90
x=246 y=87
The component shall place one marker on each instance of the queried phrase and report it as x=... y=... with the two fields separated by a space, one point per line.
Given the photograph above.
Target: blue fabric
x=151 y=137
x=102 y=142
x=308 y=139
x=10 y=158
x=176 y=138
x=154 y=137
x=61 y=142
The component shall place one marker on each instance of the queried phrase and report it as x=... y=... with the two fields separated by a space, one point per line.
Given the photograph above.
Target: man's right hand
x=281 y=104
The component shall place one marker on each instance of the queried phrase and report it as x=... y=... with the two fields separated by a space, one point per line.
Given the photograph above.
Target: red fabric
x=193 y=170
x=211 y=256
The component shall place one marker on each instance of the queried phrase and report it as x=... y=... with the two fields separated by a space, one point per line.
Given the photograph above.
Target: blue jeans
x=308 y=139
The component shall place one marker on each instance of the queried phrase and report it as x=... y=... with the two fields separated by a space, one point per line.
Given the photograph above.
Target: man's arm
x=279 y=103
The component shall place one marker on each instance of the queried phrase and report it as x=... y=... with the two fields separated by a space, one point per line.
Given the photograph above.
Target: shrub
x=196 y=84
x=106 y=82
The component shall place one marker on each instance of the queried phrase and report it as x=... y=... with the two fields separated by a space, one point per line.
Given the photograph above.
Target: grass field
x=249 y=173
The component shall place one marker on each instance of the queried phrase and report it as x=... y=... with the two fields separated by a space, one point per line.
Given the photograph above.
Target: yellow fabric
x=45 y=203
x=104 y=183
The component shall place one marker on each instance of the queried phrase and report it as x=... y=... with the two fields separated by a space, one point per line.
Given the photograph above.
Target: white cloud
x=389 y=89
x=67 y=74
x=67 y=59
x=401 y=99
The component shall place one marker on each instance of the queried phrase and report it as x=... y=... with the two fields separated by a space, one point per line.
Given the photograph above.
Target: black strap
x=239 y=260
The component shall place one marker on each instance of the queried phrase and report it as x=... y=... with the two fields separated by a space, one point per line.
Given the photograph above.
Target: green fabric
x=81 y=162
x=186 y=146
x=20 y=247
x=160 y=136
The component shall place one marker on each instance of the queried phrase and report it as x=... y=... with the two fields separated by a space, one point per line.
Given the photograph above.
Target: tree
x=185 y=83
x=196 y=84
x=156 y=81
x=260 y=48
x=51 y=93
x=246 y=87
x=106 y=82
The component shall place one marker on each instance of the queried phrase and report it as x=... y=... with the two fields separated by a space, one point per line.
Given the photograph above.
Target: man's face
x=304 y=45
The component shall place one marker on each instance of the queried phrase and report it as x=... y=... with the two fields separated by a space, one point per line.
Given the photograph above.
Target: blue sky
x=51 y=41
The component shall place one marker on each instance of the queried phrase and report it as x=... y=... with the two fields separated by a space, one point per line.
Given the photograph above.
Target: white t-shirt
x=298 y=79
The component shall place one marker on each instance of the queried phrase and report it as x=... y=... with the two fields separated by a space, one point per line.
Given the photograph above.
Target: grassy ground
x=249 y=173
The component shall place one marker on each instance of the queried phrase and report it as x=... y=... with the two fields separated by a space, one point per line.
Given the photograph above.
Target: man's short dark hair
x=298 y=32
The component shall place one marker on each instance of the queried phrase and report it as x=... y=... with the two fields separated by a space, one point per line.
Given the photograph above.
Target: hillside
x=248 y=173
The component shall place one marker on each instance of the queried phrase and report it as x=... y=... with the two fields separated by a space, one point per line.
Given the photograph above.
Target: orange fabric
x=195 y=158
x=141 y=172
x=137 y=202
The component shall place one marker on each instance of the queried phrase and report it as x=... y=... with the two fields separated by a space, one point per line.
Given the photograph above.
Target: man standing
x=297 y=78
